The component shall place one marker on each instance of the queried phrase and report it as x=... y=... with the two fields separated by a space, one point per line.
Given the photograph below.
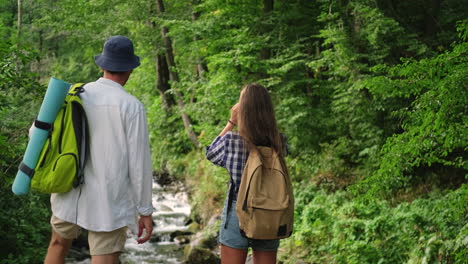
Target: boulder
x=194 y=227
x=204 y=243
x=182 y=240
x=179 y=233
x=199 y=255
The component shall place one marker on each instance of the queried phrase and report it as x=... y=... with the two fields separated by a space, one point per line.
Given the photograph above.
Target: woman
x=255 y=118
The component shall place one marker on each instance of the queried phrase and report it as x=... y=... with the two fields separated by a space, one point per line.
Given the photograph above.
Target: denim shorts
x=230 y=235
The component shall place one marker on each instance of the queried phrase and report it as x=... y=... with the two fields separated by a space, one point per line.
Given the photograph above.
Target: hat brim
x=115 y=65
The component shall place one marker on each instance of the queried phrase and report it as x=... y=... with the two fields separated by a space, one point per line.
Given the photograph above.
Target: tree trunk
x=18 y=41
x=201 y=65
x=175 y=78
x=163 y=81
x=162 y=71
x=265 y=53
x=431 y=17
x=268 y=6
x=18 y=33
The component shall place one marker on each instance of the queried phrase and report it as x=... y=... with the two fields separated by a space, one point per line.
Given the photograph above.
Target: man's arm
x=140 y=172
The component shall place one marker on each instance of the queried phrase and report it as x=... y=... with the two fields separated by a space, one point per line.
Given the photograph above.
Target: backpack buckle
x=79 y=89
x=76 y=90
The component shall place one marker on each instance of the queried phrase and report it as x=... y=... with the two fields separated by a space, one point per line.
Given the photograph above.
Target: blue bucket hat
x=117 y=55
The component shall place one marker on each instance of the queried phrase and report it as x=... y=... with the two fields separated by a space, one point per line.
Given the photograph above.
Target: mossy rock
x=182 y=239
x=178 y=233
x=197 y=255
x=194 y=227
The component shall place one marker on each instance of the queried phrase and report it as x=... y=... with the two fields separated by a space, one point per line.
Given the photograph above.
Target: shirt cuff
x=145 y=210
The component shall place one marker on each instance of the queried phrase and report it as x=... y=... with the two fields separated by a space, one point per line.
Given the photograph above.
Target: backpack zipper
x=66 y=154
x=49 y=138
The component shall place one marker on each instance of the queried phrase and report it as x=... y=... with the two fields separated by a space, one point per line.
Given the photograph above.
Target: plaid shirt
x=228 y=152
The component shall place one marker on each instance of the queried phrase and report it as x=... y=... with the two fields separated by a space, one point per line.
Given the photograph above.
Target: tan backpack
x=265 y=202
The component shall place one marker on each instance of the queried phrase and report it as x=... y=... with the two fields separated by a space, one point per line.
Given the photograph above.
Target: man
x=117 y=177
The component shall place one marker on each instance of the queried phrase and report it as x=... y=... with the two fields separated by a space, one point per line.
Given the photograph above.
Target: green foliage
x=371 y=95
x=337 y=229
x=169 y=141
x=24 y=221
x=434 y=124
x=207 y=185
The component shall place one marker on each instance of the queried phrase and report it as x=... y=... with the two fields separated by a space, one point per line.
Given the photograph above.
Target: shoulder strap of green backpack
x=75 y=90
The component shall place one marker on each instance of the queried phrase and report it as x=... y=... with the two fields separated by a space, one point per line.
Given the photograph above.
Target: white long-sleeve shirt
x=118 y=174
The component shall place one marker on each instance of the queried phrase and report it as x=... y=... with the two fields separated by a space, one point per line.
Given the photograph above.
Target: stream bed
x=172 y=210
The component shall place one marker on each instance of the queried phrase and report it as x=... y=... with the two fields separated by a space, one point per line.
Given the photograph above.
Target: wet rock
x=199 y=255
x=78 y=254
x=178 y=233
x=165 y=208
x=194 y=227
x=182 y=240
x=204 y=243
x=163 y=177
x=155 y=239
x=81 y=241
x=80 y=248
x=188 y=221
x=210 y=234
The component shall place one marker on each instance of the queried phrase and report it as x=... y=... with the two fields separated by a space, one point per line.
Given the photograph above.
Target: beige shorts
x=100 y=243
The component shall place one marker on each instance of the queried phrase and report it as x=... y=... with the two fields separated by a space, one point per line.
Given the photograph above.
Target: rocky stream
x=171 y=235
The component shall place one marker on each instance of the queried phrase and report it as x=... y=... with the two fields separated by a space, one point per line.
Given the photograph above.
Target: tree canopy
x=371 y=95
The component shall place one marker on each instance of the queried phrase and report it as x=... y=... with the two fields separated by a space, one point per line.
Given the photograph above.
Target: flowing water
x=171 y=213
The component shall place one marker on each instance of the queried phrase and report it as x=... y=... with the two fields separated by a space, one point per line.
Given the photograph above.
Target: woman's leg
x=232 y=255
x=264 y=257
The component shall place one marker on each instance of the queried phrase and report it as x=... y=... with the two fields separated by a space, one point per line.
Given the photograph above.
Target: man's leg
x=58 y=249
x=106 y=259
x=105 y=247
x=63 y=234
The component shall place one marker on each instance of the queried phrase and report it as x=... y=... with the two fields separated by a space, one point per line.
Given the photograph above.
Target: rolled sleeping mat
x=53 y=101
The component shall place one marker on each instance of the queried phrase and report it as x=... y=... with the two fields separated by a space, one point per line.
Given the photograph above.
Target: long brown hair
x=256 y=117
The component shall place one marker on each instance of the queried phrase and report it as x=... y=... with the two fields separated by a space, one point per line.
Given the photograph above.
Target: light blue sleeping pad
x=53 y=100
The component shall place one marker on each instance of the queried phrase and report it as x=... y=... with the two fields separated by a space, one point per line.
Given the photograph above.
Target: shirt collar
x=109 y=82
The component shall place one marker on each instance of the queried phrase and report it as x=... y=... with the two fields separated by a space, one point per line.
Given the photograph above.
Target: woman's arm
x=232 y=120
x=229 y=126
x=215 y=151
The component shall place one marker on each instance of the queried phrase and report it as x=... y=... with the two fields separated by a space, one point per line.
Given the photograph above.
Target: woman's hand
x=234 y=113
x=232 y=121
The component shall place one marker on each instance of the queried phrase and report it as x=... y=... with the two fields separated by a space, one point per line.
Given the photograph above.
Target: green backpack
x=63 y=157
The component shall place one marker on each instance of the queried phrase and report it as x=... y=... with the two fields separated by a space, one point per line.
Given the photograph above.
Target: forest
x=372 y=96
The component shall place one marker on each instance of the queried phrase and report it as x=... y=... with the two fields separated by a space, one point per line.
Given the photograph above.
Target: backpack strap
x=26 y=170
x=84 y=150
x=230 y=199
x=84 y=146
x=43 y=125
